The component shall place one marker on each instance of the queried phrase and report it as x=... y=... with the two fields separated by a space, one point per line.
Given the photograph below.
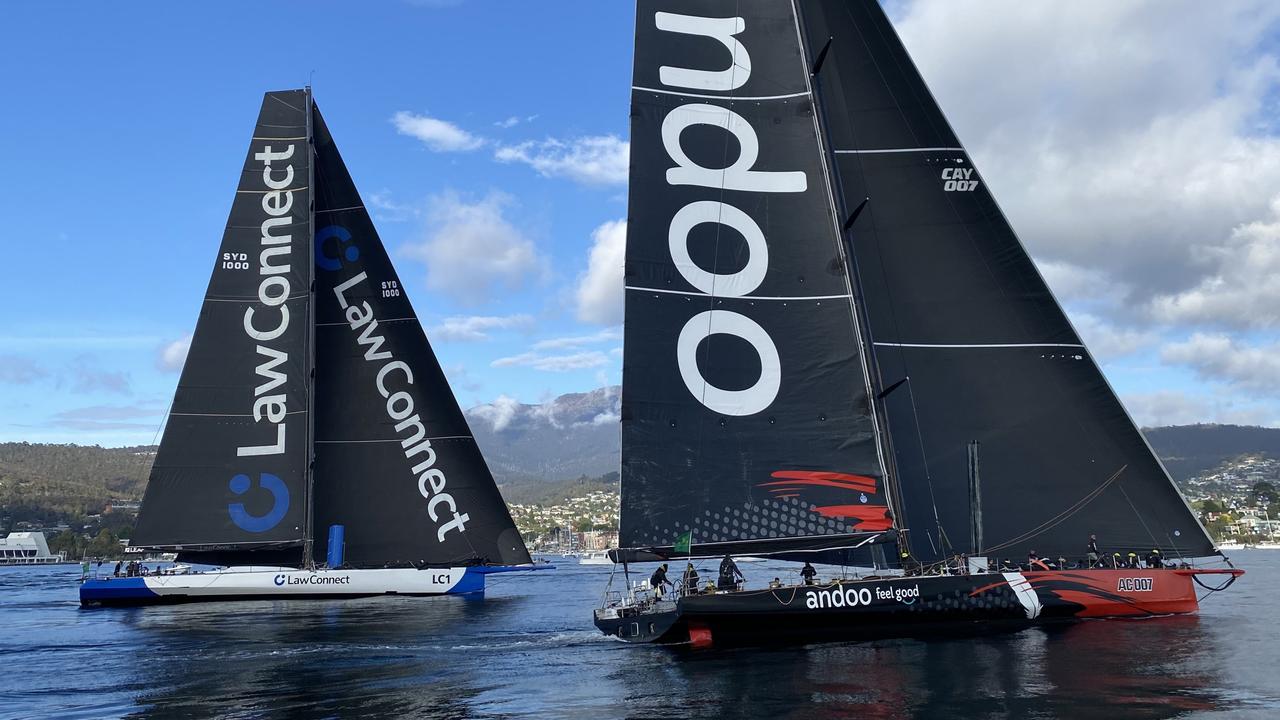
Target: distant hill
x=1188 y=450
x=540 y=452
x=48 y=484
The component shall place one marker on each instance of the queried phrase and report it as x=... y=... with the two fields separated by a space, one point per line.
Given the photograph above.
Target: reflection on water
x=529 y=650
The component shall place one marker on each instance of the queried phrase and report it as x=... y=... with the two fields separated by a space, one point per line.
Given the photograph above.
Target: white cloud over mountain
x=475 y=328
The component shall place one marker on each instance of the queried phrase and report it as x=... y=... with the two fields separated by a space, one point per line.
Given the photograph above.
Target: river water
x=529 y=650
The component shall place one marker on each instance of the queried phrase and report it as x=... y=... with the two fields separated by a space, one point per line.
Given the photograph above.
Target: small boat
x=596 y=558
x=314 y=448
x=838 y=351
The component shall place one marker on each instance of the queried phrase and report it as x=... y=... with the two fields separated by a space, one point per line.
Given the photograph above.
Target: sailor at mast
x=729 y=574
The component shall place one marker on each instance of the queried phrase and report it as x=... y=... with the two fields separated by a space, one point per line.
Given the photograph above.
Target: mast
x=309 y=530
x=844 y=222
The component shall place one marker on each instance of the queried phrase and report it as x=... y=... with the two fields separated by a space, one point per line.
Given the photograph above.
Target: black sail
x=231 y=470
x=395 y=460
x=746 y=420
x=957 y=306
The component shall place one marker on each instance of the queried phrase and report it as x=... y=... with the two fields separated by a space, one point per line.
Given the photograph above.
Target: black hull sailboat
x=314 y=448
x=837 y=350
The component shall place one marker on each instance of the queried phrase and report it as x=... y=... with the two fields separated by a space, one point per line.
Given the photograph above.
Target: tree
x=1263 y=493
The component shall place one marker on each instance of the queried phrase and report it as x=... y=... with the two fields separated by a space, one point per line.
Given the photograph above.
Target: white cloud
x=1243 y=287
x=471 y=248
x=1106 y=341
x=515 y=120
x=498 y=413
x=577 y=341
x=477 y=327
x=591 y=160
x=600 y=288
x=439 y=135
x=554 y=363
x=388 y=210
x=173 y=355
x=1217 y=357
x=1173 y=407
x=1134 y=138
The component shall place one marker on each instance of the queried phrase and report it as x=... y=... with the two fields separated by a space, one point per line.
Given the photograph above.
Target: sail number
x=958 y=180
x=391 y=288
x=235 y=261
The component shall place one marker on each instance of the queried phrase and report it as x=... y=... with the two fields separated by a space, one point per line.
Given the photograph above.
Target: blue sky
x=499 y=128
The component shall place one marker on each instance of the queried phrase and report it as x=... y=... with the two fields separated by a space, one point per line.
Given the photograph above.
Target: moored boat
x=838 y=351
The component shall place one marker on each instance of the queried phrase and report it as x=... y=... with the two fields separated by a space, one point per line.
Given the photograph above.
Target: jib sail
x=231 y=470
x=959 y=311
x=395 y=460
x=746 y=418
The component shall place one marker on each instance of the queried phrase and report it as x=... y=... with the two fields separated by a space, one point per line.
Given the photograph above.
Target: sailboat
x=838 y=351
x=314 y=447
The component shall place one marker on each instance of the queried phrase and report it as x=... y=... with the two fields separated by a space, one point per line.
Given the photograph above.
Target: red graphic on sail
x=794 y=483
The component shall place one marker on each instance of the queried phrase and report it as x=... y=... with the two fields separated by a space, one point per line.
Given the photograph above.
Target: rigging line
x=726 y=98
x=785 y=298
x=899 y=150
x=1142 y=522
x=1060 y=517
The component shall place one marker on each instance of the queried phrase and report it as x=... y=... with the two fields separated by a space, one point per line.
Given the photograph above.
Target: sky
x=1134 y=145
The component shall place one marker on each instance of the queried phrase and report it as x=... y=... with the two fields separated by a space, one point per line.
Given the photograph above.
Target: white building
x=27 y=548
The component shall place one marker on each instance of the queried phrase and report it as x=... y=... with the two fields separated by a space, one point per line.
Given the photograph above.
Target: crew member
x=1092 y=550
x=658 y=579
x=729 y=574
x=119 y=563
x=1132 y=559
x=808 y=573
x=690 y=580
x=1154 y=560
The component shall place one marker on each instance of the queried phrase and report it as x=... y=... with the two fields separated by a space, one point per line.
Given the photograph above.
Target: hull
x=280 y=584
x=907 y=606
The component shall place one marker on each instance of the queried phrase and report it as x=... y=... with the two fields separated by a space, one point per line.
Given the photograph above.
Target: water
x=529 y=649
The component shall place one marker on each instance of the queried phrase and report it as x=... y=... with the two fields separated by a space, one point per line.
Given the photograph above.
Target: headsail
x=230 y=473
x=957 y=306
x=395 y=460
x=745 y=408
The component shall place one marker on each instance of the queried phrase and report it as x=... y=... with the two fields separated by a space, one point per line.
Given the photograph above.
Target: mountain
x=564 y=447
x=1188 y=450
x=571 y=436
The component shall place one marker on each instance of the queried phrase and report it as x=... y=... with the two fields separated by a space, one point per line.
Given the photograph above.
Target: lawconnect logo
x=341 y=241
x=282 y=579
x=241 y=484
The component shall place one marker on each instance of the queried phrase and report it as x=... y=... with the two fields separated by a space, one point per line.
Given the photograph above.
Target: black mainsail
x=747 y=423
x=231 y=471
x=958 y=309
x=313 y=400
x=825 y=307
x=395 y=460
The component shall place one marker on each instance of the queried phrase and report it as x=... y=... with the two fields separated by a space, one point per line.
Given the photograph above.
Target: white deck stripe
x=738 y=297
x=721 y=97
x=983 y=345
x=899 y=150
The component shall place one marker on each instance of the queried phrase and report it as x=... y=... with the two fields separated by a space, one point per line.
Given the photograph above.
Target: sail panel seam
x=899 y=150
x=729 y=98
x=978 y=345
x=394 y=440
x=735 y=297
